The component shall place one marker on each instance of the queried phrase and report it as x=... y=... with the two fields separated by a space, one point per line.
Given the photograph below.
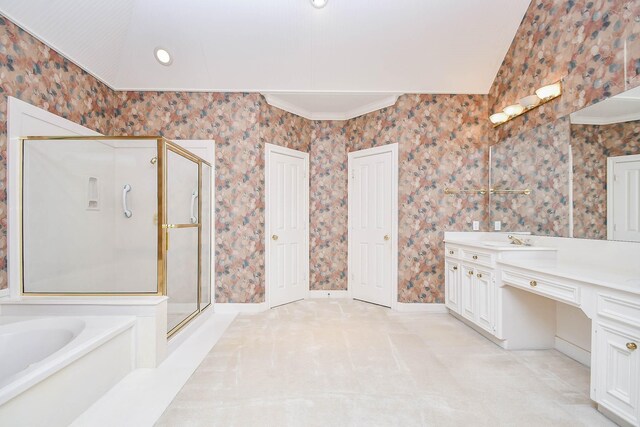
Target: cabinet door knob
x=475 y=257
x=632 y=346
x=533 y=283
x=450 y=252
x=274 y=237
x=479 y=275
x=455 y=268
x=470 y=272
x=386 y=237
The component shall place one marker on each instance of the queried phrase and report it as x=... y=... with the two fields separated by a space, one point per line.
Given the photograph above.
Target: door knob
x=386 y=237
x=274 y=237
x=632 y=346
x=533 y=283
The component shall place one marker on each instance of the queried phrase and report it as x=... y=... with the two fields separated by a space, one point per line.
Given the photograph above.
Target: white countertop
x=493 y=245
x=583 y=273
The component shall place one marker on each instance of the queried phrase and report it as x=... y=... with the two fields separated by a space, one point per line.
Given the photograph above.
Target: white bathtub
x=53 y=368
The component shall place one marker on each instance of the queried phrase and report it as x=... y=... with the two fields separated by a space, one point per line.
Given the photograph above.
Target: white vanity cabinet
x=470 y=285
x=616 y=357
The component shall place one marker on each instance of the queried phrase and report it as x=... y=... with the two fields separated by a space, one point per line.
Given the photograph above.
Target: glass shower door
x=182 y=238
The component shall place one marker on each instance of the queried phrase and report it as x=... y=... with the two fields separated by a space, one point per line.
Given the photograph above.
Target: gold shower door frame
x=163 y=147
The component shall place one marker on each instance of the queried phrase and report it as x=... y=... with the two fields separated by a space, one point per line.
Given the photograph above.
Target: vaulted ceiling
x=367 y=49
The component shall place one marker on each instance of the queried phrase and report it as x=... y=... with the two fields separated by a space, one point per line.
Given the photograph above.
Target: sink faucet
x=516 y=241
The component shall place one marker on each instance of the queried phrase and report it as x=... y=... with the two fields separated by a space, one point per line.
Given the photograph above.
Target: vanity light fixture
x=498 y=118
x=549 y=91
x=526 y=104
x=319 y=4
x=163 y=56
x=513 y=110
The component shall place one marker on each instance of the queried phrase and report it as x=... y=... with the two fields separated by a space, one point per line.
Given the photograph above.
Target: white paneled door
x=624 y=198
x=373 y=190
x=287 y=225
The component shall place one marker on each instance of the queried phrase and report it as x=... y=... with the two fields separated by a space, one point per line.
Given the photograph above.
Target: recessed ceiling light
x=163 y=56
x=319 y=4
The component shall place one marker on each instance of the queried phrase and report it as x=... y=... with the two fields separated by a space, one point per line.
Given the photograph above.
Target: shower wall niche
x=117 y=216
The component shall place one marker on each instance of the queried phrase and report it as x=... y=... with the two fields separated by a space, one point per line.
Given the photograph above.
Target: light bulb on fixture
x=549 y=91
x=528 y=102
x=162 y=56
x=513 y=110
x=319 y=4
x=498 y=118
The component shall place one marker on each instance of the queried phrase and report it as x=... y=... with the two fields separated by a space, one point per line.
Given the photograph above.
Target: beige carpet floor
x=348 y=363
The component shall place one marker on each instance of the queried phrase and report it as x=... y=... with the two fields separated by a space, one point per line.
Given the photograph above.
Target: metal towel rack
x=452 y=191
x=525 y=191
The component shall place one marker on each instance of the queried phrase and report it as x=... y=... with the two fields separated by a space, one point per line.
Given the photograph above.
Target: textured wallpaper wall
x=581 y=42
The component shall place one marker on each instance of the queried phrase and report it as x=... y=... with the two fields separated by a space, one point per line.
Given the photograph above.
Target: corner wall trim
x=231 y=307
x=315 y=294
x=404 y=307
x=573 y=351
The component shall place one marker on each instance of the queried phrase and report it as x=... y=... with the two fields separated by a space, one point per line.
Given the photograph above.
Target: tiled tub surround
x=524 y=289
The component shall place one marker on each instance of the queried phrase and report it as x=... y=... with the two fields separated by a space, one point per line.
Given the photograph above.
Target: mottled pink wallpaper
x=328 y=206
x=442 y=143
x=32 y=72
x=591 y=145
x=581 y=42
x=539 y=160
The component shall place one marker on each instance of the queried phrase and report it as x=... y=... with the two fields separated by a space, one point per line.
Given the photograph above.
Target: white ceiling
x=624 y=107
x=351 y=46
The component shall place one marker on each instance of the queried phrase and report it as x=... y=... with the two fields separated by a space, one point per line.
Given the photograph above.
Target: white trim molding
x=232 y=307
x=406 y=307
x=275 y=100
x=329 y=294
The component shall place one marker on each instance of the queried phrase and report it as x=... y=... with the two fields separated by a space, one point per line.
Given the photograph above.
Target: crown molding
x=275 y=101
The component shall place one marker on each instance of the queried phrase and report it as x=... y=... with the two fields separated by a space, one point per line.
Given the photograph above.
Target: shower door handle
x=194 y=196
x=126 y=190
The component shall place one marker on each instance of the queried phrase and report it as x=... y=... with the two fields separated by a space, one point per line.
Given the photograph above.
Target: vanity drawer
x=451 y=252
x=478 y=257
x=563 y=292
x=619 y=309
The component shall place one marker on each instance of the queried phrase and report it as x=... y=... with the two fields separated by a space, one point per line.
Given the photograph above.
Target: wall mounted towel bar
x=482 y=191
x=526 y=191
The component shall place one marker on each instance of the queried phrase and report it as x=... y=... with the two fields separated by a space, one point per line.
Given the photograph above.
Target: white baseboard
x=573 y=351
x=420 y=308
x=329 y=294
x=229 y=307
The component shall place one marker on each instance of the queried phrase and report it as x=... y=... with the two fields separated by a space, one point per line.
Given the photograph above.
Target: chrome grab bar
x=125 y=190
x=194 y=196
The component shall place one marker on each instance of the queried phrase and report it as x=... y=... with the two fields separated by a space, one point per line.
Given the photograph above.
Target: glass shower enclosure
x=117 y=216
